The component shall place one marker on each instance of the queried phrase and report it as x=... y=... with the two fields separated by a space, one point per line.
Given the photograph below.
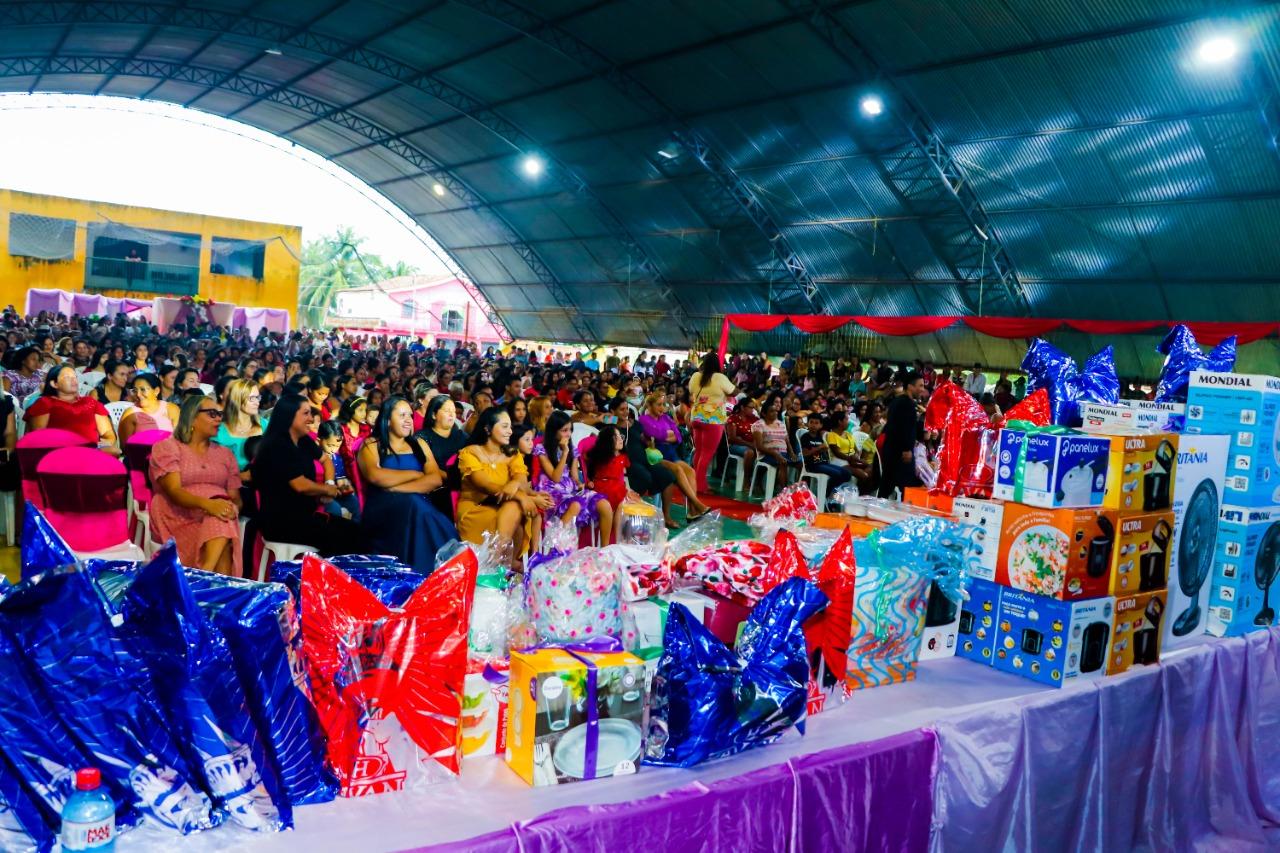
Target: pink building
x=420 y=306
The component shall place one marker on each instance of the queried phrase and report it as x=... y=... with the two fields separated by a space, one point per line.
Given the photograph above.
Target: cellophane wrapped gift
x=827 y=632
x=641 y=573
x=1053 y=370
x=745 y=570
x=1183 y=355
x=894 y=567
x=388 y=684
x=710 y=701
x=195 y=677
x=388 y=579
x=795 y=503
x=42 y=548
x=968 y=438
x=640 y=524
x=27 y=824
x=576 y=597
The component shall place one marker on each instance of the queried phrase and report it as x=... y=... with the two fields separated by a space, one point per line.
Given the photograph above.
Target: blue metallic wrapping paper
x=1050 y=368
x=27 y=825
x=709 y=702
x=194 y=674
x=1183 y=355
x=390 y=581
x=42 y=548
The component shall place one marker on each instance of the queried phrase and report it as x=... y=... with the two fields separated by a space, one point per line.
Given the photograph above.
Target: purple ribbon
x=595 y=645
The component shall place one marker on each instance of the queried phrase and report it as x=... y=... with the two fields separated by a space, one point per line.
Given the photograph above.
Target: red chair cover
x=84 y=491
x=35 y=446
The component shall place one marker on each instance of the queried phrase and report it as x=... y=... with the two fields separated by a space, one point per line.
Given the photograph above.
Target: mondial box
x=1138 y=415
x=1242 y=598
x=1247 y=408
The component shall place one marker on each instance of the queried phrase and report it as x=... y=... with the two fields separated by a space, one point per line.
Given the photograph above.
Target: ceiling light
x=1217 y=50
x=438 y=189
x=670 y=151
x=532 y=165
x=274 y=51
x=871 y=105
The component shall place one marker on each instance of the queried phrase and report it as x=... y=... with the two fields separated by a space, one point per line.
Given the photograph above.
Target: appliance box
x=1136 y=630
x=976 y=628
x=1247 y=408
x=1136 y=415
x=1248 y=556
x=941 y=624
x=1141 y=471
x=988 y=516
x=1143 y=547
x=1053 y=641
x=1197 y=500
x=1063 y=553
x=1056 y=470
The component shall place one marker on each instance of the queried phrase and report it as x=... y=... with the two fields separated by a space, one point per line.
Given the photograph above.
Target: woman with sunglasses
x=197 y=491
x=284 y=476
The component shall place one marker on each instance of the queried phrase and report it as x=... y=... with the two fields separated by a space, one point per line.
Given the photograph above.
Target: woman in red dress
x=607 y=465
x=60 y=406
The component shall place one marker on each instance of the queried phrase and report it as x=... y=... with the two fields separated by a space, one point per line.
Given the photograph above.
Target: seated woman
x=284 y=471
x=196 y=501
x=240 y=421
x=446 y=438
x=399 y=472
x=26 y=374
x=115 y=387
x=496 y=497
x=653 y=478
x=770 y=435
x=61 y=407
x=558 y=475
x=150 y=412
x=660 y=427
x=585 y=410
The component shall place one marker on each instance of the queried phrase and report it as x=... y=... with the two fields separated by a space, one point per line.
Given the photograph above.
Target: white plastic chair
x=89 y=381
x=820 y=481
x=8 y=509
x=580 y=431
x=206 y=389
x=770 y=478
x=278 y=551
x=116 y=411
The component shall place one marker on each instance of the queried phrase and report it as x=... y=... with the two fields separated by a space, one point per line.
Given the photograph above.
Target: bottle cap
x=88 y=778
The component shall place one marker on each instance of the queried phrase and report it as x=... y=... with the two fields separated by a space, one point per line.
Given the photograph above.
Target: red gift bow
x=829 y=629
x=785 y=562
x=967 y=440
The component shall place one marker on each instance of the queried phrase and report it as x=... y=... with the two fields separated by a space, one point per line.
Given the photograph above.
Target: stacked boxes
x=1144 y=546
x=1248 y=556
x=1136 y=630
x=1053 y=641
x=976 y=631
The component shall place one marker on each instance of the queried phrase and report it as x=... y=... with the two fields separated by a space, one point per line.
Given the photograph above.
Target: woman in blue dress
x=399 y=473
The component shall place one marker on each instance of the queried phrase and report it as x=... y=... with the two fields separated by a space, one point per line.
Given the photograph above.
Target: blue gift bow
x=1050 y=368
x=1183 y=355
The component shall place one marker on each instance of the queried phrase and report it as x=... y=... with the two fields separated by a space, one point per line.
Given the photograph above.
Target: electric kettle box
x=987 y=516
x=1053 y=641
x=1136 y=631
x=1141 y=557
x=1197 y=500
x=574 y=715
x=1141 y=471
x=1247 y=561
x=976 y=628
x=1052 y=470
x=1060 y=553
x=1247 y=408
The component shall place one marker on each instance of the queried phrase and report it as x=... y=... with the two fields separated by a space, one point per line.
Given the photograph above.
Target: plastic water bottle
x=89 y=817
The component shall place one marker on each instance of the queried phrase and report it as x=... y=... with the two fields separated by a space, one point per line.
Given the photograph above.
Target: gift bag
x=575 y=597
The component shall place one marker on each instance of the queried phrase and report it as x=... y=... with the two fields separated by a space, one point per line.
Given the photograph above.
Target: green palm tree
x=330 y=265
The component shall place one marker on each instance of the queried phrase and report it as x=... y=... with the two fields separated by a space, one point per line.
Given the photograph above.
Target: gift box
x=735 y=569
x=1132 y=415
x=1051 y=467
x=827 y=633
x=575 y=597
x=642 y=574
x=1143 y=547
x=1197 y=501
x=1247 y=408
x=1141 y=472
x=1062 y=553
x=1248 y=558
x=1136 y=630
x=484 y=708
x=650 y=616
x=1053 y=641
x=976 y=632
x=988 y=517
x=575 y=714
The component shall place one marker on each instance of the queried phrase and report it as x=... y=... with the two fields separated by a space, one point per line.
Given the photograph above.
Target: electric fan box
x=1136 y=630
x=1143 y=547
x=1247 y=408
x=976 y=630
x=987 y=516
x=1053 y=641
x=1062 y=553
x=1054 y=470
x=1248 y=557
x=1197 y=500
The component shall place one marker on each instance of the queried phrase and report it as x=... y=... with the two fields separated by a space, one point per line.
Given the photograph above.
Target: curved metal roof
x=1046 y=157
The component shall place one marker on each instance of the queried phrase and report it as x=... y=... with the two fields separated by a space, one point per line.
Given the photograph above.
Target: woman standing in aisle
x=710 y=389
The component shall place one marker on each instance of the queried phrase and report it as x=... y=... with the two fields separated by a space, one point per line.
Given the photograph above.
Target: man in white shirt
x=977 y=382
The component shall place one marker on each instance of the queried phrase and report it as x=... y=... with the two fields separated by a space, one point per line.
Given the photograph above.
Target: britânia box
x=1143 y=548
x=1061 y=553
x=1247 y=408
x=976 y=631
x=575 y=715
x=1197 y=501
x=1136 y=631
x=1242 y=598
x=1053 y=641
x=1141 y=471
x=1051 y=469
x=987 y=516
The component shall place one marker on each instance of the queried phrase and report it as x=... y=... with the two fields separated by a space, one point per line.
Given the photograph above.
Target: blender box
x=1143 y=546
x=1053 y=641
x=1247 y=408
x=941 y=626
x=987 y=516
x=1136 y=415
x=1051 y=469
x=566 y=706
x=1061 y=553
x=1141 y=471
x=1135 y=630
x=1248 y=557
x=484 y=708
x=1197 y=500
x=976 y=629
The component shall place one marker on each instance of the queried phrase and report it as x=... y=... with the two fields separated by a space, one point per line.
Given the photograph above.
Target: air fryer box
x=1141 y=471
x=941 y=625
x=1197 y=500
x=1242 y=598
x=1053 y=641
x=987 y=516
x=1143 y=547
x=1058 y=470
x=1061 y=553
x=1247 y=408
x=976 y=630
x=1136 y=631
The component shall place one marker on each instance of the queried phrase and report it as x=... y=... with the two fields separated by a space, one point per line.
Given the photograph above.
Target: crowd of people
x=356 y=443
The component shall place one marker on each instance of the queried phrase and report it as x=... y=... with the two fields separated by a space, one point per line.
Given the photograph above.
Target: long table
x=1177 y=756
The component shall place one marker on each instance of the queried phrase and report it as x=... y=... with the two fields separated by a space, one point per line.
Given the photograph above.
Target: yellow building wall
x=278 y=288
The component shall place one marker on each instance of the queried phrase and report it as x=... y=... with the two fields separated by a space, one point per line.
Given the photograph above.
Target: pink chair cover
x=137 y=455
x=84 y=490
x=32 y=448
